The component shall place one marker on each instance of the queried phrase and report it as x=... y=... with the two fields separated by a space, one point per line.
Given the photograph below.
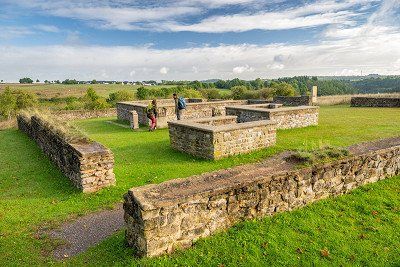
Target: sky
x=197 y=39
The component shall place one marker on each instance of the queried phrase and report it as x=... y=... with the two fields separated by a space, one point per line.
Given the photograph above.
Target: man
x=180 y=106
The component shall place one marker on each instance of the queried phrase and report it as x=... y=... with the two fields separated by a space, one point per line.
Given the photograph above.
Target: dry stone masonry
x=393 y=102
x=284 y=117
x=219 y=137
x=89 y=165
x=166 y=110
x=294 y=101
x=174 y=214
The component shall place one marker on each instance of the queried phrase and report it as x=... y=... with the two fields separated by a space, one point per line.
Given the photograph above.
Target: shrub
x=142 y=93
x=93 y=101
x=12 y=101
x=238 y=92
x=8 y=103
x=191 y=93
x=283 y=89
x=122 y=95
x=211 y=93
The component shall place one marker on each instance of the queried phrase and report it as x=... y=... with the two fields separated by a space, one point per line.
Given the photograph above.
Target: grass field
x=361 y=228
x=47 y=91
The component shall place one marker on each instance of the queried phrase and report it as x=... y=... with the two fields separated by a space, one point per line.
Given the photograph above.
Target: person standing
x=152 y=114
x=180 y=106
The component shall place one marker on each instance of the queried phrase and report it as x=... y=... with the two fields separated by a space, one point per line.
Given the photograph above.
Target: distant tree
x=257 y=84
x=211 y=93
x=68 y=81
x=25 y=80
x=46 y=81
x=93 y=82
x=37 y=80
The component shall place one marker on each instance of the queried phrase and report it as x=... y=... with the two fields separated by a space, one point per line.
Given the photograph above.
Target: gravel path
x=87 y=231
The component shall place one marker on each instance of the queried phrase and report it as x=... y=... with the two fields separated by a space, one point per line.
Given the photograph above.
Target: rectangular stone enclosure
x=219 y=137
x=89 y=165
x=166 y=110
x=284 y=117
x=163 y=217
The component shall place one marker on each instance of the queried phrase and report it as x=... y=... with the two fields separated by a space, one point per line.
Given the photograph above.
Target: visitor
x=180 y=106
x=152 y=115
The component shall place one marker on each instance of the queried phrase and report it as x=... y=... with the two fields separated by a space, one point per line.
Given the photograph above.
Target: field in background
x=35 y=195
x=47 y=91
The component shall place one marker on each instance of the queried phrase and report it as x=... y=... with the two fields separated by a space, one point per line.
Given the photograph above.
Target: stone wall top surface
x=90 y=149
x=264 y=107
x=178 y=191
x=167 y=104
x=219 y=128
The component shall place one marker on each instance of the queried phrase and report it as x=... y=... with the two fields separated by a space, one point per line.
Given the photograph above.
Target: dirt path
x=87 y=231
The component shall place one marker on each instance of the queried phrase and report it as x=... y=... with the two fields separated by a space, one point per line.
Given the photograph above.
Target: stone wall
x=219 y=137
x=293 y=101
x=375 y=102
x=89 y=165
x=174 y=214
x=85 y=114
x=166 y=110
x=285 y=117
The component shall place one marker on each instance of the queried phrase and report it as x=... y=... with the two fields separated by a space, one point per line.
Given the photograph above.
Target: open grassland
x=360 y=228
x=47 y=91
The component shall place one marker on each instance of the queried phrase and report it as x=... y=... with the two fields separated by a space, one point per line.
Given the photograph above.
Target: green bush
x=122 y=95
x=142 y=93
x=191 y=93
x=11 y=101
x=283 y=89
x=93 y=101
x=211 y=93
x=238 y=92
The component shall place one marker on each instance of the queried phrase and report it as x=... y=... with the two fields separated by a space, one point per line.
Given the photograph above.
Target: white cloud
x=46 y=28
x=168 y=15
x=132 y=73
x=241 y=69
x=164 y=70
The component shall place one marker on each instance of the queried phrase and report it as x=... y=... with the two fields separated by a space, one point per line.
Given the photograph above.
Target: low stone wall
x=219 y=137
x=166 y=110
x=293 y=101
x=89 y=165
x=174 y=214
x=375 y=102
x=284 y=117
x=85 y=114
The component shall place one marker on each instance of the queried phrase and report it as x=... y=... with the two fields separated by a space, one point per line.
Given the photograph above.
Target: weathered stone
x=89 y=165
x=375 y=102
x=218 y=137
x=212 y=202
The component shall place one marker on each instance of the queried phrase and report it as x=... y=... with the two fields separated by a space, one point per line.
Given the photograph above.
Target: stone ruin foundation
x=219 y=137
x=284 y=117
x=89 y=165
x=161 y=218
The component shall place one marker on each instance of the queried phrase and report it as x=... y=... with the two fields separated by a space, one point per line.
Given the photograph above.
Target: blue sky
x=197 y=39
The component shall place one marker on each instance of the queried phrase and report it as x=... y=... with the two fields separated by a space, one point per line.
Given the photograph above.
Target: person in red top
x=152 y=115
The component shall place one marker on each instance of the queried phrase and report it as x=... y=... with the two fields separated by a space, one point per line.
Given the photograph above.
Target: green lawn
x=34 y=195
